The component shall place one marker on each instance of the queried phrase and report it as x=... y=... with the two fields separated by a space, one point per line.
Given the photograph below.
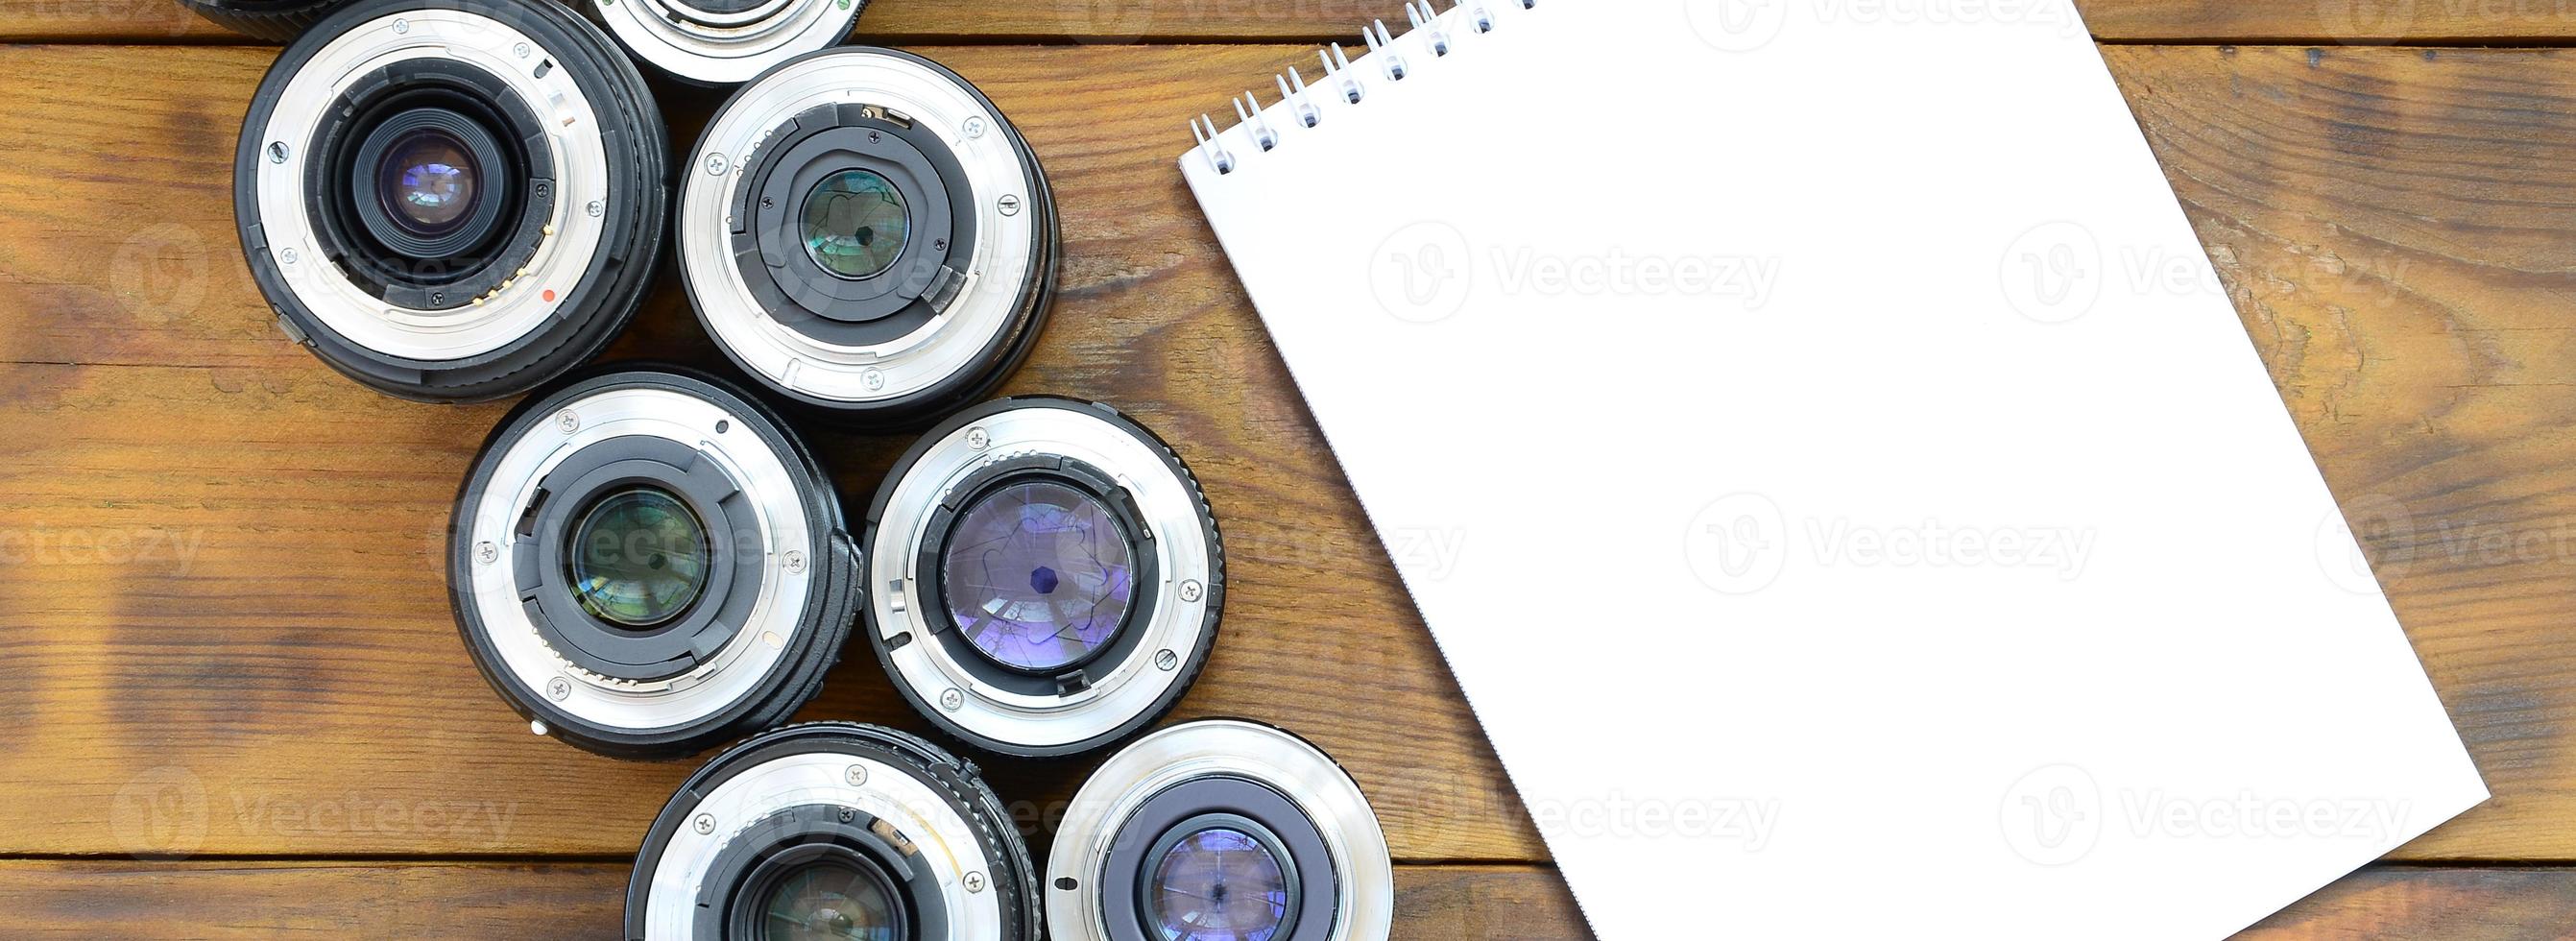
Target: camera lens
x=856 y=223
x=452 y=200
x=428 y=182
x=1220 y=830
x=865 y=234
x=646 y=562
x=1053 y=576
x=272 y=20
x=722 y=42
x=834 y=830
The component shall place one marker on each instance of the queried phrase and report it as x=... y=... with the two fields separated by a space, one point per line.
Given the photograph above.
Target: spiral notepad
x=1831 y=467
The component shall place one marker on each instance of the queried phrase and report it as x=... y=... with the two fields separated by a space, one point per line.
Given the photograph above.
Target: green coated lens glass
x=829 y=902
x=638 y=557
x=856 y=223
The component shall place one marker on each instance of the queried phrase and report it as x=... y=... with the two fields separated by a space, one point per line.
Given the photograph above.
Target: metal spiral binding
x=1469 y=16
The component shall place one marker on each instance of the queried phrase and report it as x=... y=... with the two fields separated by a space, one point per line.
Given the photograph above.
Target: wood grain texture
x=567 y=902
x=224 y=581
x=2330 y=22
x=909 y=21
x=2386 y=902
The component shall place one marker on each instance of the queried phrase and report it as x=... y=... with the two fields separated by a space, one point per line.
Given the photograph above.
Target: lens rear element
x=639 y=557
x=1039 y=575
x=856 y=223
x=430 y=181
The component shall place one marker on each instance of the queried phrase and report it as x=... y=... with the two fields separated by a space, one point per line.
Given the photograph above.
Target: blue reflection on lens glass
x=1038 y=575
x=1219 y=884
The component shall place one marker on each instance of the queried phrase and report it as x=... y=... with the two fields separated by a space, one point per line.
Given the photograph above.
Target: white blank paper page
x=1828 y=462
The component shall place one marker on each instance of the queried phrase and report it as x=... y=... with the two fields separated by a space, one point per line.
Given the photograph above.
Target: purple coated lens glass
x=1038 y=575
x=1219 y=884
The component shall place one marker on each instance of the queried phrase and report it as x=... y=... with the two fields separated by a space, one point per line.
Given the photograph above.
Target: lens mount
x=725 y=42
x=1259 y=826
x=930 y=851
x=924 y=322
x=518 y=231
x=272 y=20
x=645 y=563
x=1053 y=576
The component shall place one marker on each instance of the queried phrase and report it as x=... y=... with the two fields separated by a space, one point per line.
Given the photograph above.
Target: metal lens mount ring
x=564 y=154
x=1148 y=613
x=964 y=211
x=725 y=42
x=1266 y=787
x=941 y=855
x=774 y=589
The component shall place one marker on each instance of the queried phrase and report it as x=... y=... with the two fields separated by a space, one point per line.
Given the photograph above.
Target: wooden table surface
x=236 y=704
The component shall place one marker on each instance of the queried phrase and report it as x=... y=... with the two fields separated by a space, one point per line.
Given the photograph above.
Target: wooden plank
x=2331 y=22
x=569 y=901
x=565 y=902
x=225 y=590
x=909 y=21
x=2325 y=22
x=2418 y=902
